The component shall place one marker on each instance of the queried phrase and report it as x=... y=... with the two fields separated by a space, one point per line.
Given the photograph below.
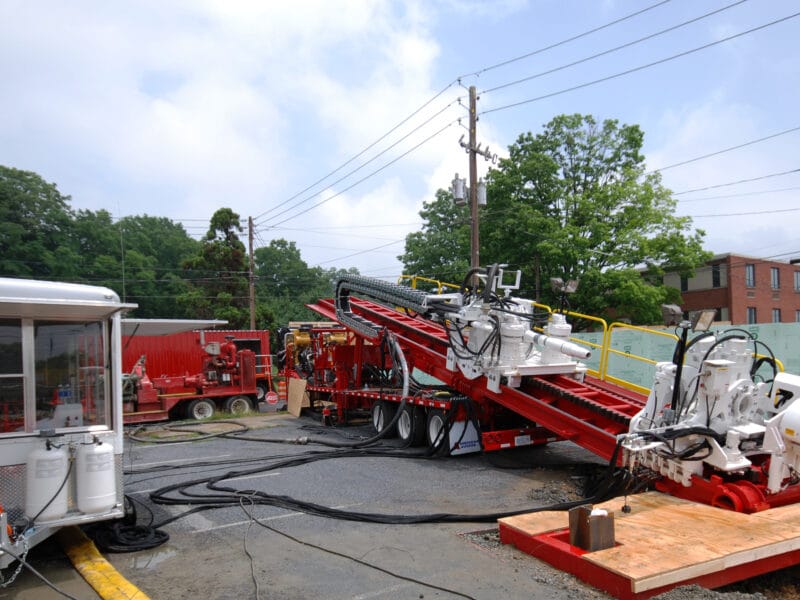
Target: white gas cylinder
x=96 y=478
x=46 y=472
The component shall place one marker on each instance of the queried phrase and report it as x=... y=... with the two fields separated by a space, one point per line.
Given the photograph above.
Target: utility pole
x=252 y=275
x=477 y=189
x=475 y=259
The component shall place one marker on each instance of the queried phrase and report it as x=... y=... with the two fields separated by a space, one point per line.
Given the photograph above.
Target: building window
x=684 y=284
x=797 y=281
x=776 y=315
x=751 y=314
x=750 y=275
x=797 y=316
x=775 y=278
x=715 y=278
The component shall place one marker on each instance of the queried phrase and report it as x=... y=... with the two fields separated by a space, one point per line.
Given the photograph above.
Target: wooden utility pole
x=475 y=258
x=252 y=275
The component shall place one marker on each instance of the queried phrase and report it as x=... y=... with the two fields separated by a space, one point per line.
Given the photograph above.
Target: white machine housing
x=500 y=342
x=722 y=417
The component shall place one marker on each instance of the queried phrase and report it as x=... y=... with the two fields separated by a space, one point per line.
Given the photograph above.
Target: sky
x=330 y=122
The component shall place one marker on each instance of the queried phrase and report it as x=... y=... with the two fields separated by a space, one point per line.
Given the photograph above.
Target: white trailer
x=60 y=410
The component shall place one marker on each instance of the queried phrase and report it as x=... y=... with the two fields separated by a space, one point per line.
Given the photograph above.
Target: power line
x=351 y=186
x=324 y=262
x=438 y=94
x=710 y=154
x=372 y=145
x=712 y=187
x=762 y=192
x=745 y=214
x=566 y=41
x=641 y=67
x=612 y=50
x=381 y=153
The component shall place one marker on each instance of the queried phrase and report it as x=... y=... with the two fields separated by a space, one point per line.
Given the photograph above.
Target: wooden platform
x=664 y=542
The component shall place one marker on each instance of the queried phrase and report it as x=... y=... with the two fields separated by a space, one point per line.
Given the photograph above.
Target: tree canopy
x=572 y=202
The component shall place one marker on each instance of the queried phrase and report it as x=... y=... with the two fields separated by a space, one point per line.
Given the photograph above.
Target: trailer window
x=12 y=405
x=70 y=375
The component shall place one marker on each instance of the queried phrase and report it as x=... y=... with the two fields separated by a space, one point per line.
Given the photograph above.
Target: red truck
x=171 y=372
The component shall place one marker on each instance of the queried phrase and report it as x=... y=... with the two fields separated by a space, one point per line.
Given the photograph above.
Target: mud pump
x=716 y=429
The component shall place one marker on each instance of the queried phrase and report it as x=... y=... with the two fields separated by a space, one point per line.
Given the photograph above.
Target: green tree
x=441 y=250
x=154 y=249
x=575 y=202
x=36 y=237
x=285 y=283
x=218 y=273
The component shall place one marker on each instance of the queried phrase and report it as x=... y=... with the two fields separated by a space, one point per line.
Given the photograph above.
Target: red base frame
x=554 y=548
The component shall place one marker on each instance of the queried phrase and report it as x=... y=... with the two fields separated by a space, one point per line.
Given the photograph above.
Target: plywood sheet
x=298 y=398
x=665 y=540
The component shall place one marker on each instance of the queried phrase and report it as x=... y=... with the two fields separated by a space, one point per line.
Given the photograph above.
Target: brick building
x=742 y=289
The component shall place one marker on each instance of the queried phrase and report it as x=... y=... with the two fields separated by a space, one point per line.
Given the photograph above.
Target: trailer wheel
x=411 y=425
x=382 y=415
x=238 y=405
x=200 y=409
x=437 y=437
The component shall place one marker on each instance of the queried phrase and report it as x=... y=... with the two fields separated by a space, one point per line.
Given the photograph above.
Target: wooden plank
x=665 y=541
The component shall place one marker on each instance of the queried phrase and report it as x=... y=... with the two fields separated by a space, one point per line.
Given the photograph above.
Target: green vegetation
x=572 y=202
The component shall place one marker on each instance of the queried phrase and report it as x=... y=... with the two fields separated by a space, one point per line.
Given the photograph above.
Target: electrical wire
x=369 y=175
x=640 y=67
x=724 y=150
x=567 y=40
x=611 y=50
x=719 y=185
x=352 y=172
x=354 y=559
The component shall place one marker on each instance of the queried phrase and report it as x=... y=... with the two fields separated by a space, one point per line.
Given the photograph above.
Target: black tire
x=200 y=409
x=238 y=405
x=435 y=434
x=411 y=425
x=261 y=392
x=382 y=415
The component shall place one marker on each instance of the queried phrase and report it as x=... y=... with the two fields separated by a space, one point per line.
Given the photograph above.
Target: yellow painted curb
x=95 y=569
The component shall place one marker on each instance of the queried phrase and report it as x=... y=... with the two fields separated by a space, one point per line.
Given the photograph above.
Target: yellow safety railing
x=606 y=331
x=608 y=351
x=440 y=285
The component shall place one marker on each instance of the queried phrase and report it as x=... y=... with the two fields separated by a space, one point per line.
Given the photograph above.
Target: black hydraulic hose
x=490 y=275
x=228 y=496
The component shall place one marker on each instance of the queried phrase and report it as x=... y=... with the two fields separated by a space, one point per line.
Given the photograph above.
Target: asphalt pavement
x=250 y=550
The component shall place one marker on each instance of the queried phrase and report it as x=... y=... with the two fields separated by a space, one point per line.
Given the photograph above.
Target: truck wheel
x=200 y=409
x=411 y=425
x=382 y=415
x=261 y=392
x=437 y=436
x=238 y=405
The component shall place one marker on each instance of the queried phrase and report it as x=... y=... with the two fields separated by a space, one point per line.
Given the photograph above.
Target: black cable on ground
x=185 y=428
x=222 y=495
x=353 y=558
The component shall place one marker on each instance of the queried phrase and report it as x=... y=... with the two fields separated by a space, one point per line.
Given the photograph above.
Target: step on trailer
x=61 y=438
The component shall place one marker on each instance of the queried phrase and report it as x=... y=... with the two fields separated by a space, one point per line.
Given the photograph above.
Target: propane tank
x=46 y=475
x=96 y=477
